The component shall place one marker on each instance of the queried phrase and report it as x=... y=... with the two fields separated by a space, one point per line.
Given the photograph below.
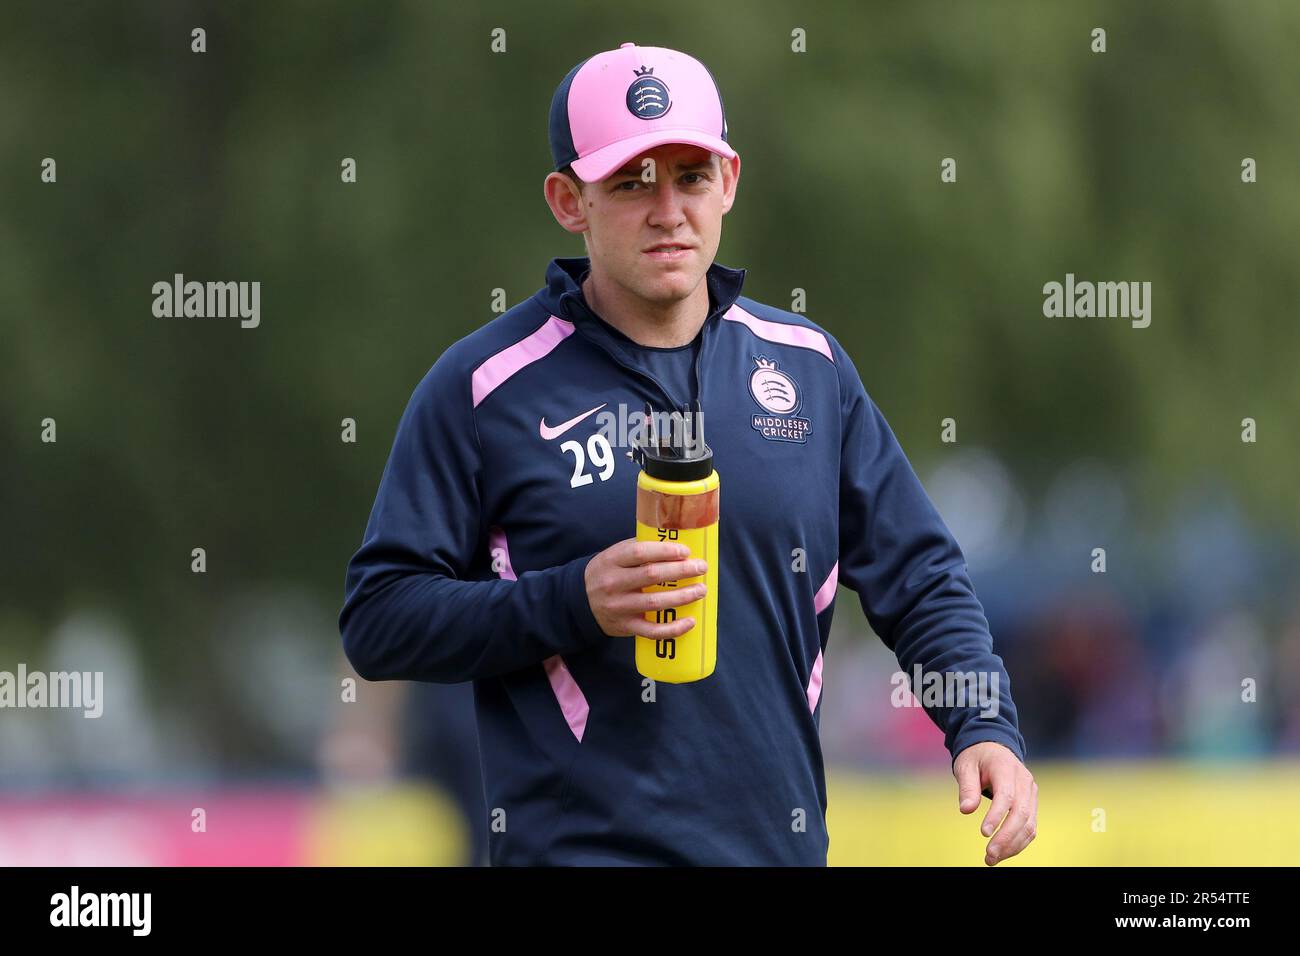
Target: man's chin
x=663 y=284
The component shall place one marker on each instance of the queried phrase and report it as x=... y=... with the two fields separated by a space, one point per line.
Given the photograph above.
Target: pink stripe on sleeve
x=495 y=370
x=782 y=332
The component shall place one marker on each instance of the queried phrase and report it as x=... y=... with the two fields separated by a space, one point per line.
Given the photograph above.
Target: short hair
x=567 y=170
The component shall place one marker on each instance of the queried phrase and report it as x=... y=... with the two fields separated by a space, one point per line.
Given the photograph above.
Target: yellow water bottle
x=677 y=500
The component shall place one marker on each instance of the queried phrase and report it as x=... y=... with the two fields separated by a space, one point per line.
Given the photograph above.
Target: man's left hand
x=992 y=766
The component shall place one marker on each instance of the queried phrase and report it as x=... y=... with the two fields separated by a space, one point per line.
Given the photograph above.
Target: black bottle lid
x=681 y=454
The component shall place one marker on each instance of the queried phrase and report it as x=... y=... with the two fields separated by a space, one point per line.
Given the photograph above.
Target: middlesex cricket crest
x=778 y=395
x=647 y=97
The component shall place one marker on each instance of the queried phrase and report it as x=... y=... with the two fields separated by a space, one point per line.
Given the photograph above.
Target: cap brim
x=598 y=165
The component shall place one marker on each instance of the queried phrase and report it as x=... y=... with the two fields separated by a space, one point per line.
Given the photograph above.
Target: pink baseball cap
x=614 y=106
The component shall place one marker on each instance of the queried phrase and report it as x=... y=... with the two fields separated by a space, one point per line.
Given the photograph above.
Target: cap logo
x=647 y=97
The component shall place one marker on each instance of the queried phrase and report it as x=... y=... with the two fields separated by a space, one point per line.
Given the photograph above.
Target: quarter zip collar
x=563 y=294
x=563 y=298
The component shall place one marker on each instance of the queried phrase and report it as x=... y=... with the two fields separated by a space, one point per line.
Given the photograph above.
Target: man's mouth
x=668 y=251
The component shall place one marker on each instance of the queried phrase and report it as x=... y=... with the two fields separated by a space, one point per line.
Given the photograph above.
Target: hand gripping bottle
x=677 y=500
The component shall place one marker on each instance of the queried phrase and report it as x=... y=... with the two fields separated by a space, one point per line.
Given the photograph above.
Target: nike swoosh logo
x=548 y=432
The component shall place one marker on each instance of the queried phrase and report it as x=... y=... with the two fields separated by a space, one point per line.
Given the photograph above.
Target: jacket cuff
x=977 y=732
x=582 y=622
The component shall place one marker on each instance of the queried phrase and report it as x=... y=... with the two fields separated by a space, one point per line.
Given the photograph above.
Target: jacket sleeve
x=409 y=613
x=910 y=575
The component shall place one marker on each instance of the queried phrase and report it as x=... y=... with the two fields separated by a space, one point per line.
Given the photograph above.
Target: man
x=493 y=551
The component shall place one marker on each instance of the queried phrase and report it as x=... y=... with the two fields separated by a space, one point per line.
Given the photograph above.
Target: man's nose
x=666 y=204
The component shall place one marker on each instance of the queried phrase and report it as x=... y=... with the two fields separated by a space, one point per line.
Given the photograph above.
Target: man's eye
x=699 y=176
x=628 y=182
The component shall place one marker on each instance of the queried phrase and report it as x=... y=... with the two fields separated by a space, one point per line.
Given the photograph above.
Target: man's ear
x=566 y=202
x=730 y=180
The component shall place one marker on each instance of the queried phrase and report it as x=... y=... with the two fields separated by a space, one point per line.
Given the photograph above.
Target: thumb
x=968 y=786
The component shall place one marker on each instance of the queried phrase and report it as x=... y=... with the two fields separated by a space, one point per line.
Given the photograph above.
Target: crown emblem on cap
x=644 y=71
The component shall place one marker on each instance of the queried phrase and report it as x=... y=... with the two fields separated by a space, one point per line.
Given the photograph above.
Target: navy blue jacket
x=471 y=568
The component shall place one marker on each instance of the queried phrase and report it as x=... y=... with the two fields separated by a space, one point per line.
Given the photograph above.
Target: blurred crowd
x=1186 y=645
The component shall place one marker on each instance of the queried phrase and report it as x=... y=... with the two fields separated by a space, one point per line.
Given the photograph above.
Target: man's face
x=625 y=218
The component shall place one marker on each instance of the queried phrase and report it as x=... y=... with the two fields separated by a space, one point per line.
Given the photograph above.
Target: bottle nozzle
x=682 y=453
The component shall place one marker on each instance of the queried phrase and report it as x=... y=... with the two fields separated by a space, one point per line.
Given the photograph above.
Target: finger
x=1015 y=844
x=639 y=552
x=1022 y=839
x=668 y=615
x=658 y=632
x=968 y=786
x=1002 y=781
x=1007 y=842
x=640 y=603
x=1030 y=830
x=647 y=575
x=658 y=600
